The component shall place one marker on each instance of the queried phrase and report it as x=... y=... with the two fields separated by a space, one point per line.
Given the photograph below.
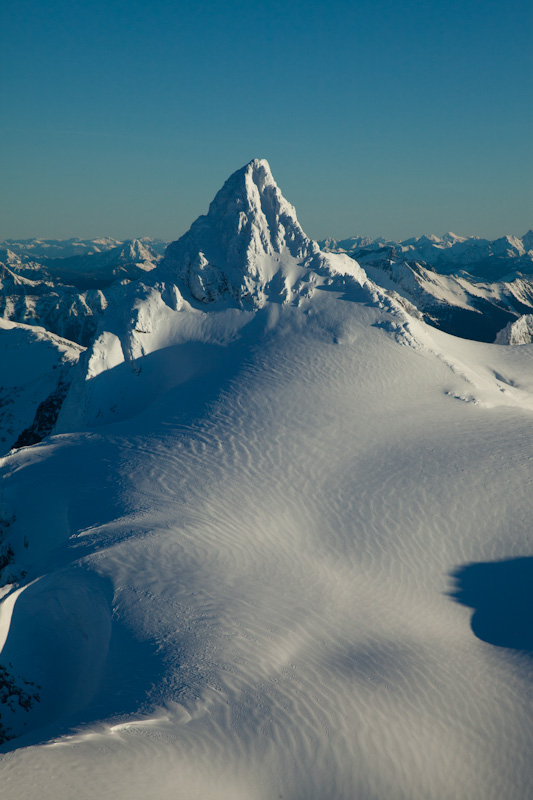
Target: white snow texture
x=245 y=567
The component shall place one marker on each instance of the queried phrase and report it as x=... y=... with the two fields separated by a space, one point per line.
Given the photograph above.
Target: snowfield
x=246 y=565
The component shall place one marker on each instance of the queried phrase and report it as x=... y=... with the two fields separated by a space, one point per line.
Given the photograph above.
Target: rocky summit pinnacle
x=237 y=245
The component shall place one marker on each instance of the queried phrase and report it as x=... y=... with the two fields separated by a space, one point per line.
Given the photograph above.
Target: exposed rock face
x=15 y=693
x=45 y=417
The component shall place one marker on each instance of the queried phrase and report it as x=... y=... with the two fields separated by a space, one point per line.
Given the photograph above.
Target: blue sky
x=124 y=118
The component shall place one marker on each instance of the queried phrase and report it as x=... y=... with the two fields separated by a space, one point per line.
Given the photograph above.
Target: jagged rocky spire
x=236 y=247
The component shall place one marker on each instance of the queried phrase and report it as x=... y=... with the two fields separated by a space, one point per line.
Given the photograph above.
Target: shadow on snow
x=501 y=594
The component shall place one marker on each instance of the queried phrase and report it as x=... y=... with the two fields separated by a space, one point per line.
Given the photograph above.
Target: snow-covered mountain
x=456 y=282
x=500 y=259
x=127 y=261
x=60 y=309
x=248 y=253
x=66 y=295
x=250 y=560
x=250 y=247
x=457 y=304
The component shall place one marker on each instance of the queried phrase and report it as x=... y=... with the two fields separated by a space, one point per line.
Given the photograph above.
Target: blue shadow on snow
x=501 y=594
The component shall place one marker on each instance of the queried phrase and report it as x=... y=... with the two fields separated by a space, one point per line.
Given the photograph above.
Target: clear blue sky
x=124 y=117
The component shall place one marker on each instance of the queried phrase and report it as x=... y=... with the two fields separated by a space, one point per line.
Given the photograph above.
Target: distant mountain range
x=65 y=295
x=481 y=258
x=466 y=286
x=66 y=248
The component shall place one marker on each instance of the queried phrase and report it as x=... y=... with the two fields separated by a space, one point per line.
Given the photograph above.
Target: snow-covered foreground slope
x=242 y=587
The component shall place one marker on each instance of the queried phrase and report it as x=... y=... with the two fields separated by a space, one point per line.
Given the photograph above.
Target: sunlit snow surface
x=258 y=582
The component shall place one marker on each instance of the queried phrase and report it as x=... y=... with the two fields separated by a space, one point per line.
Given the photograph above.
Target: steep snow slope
x=243 y=586
x=35 y=373
x=457 y=304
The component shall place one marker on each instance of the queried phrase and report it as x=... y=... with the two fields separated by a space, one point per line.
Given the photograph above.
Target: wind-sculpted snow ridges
x=245 y=560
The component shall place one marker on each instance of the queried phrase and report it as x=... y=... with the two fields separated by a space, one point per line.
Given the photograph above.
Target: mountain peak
x=236 y=247
x=451 y=238
x=253 y=202
x=135 y=251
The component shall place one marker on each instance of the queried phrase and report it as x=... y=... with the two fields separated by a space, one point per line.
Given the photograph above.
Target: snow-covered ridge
x=126 y=261
x=455 y=303
x=43 y=302
x=469 y=287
